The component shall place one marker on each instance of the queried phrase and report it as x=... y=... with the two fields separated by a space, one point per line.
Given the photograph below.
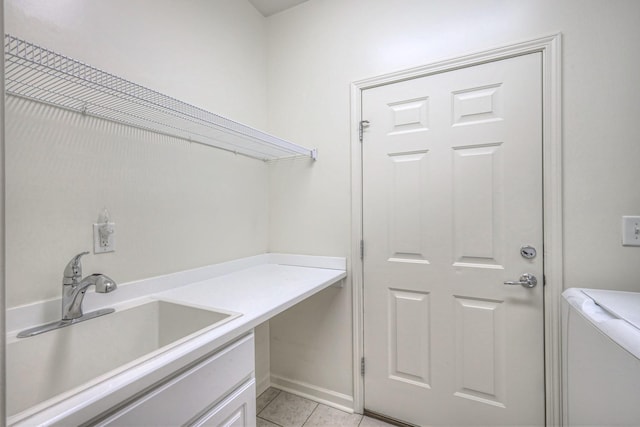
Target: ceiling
x=270 y=7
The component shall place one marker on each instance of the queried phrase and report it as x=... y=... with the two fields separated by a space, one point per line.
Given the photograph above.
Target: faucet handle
x=73 y=270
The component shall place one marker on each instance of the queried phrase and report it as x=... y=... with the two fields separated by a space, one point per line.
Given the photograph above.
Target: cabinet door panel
x=238 y=410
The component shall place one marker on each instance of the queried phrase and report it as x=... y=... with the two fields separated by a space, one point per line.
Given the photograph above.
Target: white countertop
x=257 y=287
x=258 y=293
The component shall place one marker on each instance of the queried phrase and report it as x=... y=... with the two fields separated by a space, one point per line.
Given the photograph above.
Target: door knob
x=526 y=281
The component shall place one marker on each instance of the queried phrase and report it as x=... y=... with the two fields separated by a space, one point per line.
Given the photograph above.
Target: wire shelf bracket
x=41 y=75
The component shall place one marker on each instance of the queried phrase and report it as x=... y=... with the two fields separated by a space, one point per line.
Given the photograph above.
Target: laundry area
x=320 y=212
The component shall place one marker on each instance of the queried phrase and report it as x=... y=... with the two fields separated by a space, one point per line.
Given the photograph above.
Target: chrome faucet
x=74 y=287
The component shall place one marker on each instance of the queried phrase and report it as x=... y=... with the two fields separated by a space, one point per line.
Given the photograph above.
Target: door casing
x=550 y=47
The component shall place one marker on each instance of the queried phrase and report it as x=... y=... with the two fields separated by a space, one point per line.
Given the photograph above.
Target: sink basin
x=43 y=366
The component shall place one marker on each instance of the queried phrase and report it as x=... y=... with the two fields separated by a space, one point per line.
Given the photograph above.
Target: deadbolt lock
x=528 y=252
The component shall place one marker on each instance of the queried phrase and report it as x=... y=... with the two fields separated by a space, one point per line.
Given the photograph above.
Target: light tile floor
x=281 y=409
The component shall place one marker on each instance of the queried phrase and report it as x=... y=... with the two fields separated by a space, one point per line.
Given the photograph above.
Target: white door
x=452 y=190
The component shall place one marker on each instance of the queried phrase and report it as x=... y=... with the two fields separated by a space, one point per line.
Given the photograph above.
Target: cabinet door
x=190 y=393
x=237 y=410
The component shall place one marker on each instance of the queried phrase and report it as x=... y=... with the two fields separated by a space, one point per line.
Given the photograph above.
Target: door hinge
x=362 y=366
x=361 y=249
x=363 y=124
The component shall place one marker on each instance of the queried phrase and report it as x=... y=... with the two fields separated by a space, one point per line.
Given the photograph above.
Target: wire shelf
x=42 y=75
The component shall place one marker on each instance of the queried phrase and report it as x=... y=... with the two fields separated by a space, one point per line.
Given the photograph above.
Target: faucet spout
x=73 y=295
x=74 y=288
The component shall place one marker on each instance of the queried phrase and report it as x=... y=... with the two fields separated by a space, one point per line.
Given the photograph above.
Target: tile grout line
x=271 y=422
x=314 y=410
x=269 y=402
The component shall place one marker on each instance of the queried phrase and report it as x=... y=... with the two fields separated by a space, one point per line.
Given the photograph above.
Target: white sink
x=46 y=365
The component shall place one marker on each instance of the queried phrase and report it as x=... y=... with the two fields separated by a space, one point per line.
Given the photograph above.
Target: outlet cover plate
x=631 y=230
x=104 y=242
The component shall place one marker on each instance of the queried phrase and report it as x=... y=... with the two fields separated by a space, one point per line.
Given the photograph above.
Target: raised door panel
x=480 y=350
x=478 y=206
x=408 y=207
x=409 y=339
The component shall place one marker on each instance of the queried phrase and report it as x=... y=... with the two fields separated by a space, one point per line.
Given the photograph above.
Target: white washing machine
x=601 y=350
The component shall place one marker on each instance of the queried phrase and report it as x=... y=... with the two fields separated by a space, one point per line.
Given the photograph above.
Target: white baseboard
x=331 y=398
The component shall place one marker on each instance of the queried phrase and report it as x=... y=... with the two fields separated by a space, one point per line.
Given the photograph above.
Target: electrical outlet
x=104 y=237
x=631 y=230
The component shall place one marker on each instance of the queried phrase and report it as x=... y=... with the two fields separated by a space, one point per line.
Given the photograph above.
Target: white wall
x=210 y=53
x=318 y=48
x=176 y=205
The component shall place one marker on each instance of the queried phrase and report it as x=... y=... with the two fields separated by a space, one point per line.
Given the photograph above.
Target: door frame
x=550 y=48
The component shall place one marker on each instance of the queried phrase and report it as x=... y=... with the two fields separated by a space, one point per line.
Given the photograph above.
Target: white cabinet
x=219 y=390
